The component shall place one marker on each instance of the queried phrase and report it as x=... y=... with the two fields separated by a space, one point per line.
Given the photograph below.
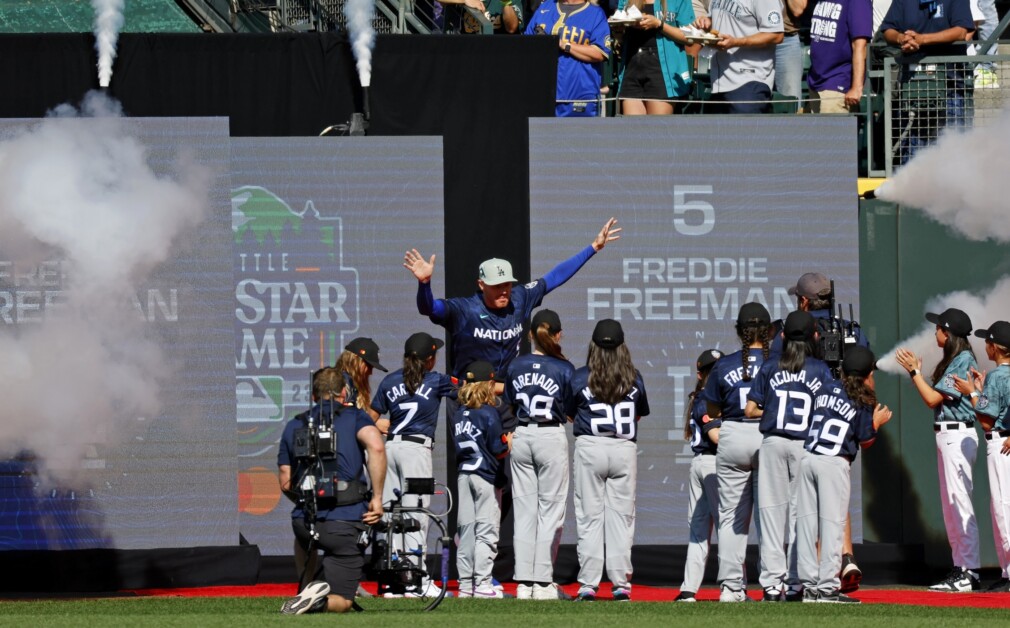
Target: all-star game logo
x=295 y=301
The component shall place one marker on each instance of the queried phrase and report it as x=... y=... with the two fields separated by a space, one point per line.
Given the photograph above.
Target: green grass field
x=162 y=611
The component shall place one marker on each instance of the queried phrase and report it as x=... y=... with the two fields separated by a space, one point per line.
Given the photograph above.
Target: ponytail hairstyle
x=953 y=346
x=351 y=364
x=414 y=369
x=857 y=390
x=795 y=354
x=545 y=342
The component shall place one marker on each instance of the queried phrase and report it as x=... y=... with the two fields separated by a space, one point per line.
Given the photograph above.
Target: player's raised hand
x=964 y=386
x=908 y=360
x=977 y=378
x=415 y=263
x=881 y=415
x=608 y=233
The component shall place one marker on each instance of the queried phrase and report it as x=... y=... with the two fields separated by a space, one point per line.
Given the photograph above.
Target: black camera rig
x=836 y=334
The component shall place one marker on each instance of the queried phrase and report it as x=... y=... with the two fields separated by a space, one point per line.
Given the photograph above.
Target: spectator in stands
x=921 y=28
x=840 y=31
x=789 y=53
x=584 y=43
x=506 y=16
x=985 y=73
x=743 y=67
x=655 y=66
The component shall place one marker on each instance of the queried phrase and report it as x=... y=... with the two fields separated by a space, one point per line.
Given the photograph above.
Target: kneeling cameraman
x=322 y=461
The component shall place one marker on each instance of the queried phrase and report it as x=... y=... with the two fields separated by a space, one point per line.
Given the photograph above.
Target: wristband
x=913 y=373
x=568 y=49
x=974 y=394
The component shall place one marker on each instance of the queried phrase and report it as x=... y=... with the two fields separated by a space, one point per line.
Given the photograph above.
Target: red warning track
x=640 y=593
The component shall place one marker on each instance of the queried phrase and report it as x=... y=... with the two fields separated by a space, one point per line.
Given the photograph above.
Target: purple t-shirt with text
x=833 y=26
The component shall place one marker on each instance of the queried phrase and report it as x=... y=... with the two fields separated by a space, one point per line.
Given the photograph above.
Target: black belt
x=537 y=424
x=998 y=434
x=412 y=438
x=707 y=452
x=792 y=34
x=955 y=426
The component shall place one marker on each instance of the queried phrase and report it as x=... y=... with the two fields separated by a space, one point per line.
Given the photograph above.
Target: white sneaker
x=429 y=590
x=958 y=581
x=729 y=595
x=549 y=592
x=524 y=592
x=308 y=598
x=488 y=593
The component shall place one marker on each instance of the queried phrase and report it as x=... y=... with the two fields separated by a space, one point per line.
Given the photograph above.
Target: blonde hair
x=476 y=394
x=351 y=363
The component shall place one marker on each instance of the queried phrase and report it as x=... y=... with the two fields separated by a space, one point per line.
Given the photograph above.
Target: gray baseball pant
x=606 y=472
x=477 y=520
x=736 y=466
x=780 y=467
x=822 y=505
x=539 y=497
x=703 y=515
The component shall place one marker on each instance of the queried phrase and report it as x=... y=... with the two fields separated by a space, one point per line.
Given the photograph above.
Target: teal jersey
x=995 y=398
x=955 y=406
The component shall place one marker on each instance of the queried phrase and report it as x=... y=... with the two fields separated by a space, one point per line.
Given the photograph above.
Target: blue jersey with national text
x=596 y=418
x=535 y=385
x=955 y=406
x=347 y=422
x=838 y=425
x=582 y=24
x=415 y=413
x=994 y=402
x=726 y=387
x=700 y=442
x=479 y=440
x=480 y=333
x=788 y=398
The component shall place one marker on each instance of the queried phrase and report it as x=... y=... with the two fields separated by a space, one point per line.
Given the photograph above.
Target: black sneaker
x=794 y=593
x=622 y=595
x=773 y=595
x=1000 y=586
x=836 y=597
x=685 y=596
x=958 y=581
x=307 y=599
x=851 y=575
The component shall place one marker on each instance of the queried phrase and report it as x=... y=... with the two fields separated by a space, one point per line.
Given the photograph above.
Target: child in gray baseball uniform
x=992 y=409
x=846 y=416
x=703 y=508
x=736 y=460
x=535 y=387
x=782 y=396
x=956 y=442
x=606 y=398
x=480 y=444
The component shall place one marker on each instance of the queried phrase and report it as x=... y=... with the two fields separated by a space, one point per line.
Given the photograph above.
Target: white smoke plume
x=983 y=310
x=83 y=221
x=108 y=21
x=359 y=15
x=960 y=181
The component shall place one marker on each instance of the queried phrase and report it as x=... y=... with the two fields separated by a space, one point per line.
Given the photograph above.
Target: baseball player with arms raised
x=702 y=432
x=956 y=442
x=584 y=43
x=992 y=409
x=736 y=460
x=535 y=386
x=488 y=325
x=412 y=396
x=606 y=398
x=782 y=397
x=846 y=416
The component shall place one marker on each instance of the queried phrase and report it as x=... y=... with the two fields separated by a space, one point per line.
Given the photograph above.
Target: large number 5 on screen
x=701 y=212
x=620 y=416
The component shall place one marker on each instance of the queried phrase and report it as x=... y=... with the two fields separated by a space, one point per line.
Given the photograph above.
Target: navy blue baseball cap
x=707 y=358
x=998 y=333
x=550 y=317
x=858 y=360
x=799 y=326
x=479 y=371
x=367 y=350
x=953 y=320
x=753 y=314
x=422 y=345
x=608 y=334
